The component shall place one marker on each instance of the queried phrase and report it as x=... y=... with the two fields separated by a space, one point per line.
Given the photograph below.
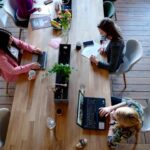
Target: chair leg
x=7 y=85
x=115 y=16
x=20 y=33
x=125 y=83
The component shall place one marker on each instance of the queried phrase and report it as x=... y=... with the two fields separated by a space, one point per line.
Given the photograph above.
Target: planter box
x=61 y=93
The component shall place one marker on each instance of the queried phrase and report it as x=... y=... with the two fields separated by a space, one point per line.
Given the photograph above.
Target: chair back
x=4 y=120
x=133 y=53
x=146 y=123
x=10 y=6
x=109 y=9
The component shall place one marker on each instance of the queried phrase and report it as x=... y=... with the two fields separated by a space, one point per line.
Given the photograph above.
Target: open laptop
x=88 y=112
x=41 y=59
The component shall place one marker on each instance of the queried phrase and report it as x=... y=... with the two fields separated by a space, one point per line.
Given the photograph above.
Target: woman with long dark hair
x=114 y=50
x=9 y=64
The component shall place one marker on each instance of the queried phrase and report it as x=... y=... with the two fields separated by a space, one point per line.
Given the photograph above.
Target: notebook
x=88 y=112
x=41 y=59
x=40 y=21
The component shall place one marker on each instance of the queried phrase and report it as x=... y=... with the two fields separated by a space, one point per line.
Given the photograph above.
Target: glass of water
x=51 y=123
x=82 y=88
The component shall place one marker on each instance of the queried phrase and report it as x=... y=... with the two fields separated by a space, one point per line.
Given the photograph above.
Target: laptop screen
x=80 y=108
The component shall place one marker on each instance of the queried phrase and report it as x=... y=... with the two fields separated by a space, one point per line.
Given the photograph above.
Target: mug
x=31 y=74
x=78 y=46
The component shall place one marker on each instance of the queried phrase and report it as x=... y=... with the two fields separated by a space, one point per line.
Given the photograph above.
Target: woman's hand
x=93 y=60
x=37 y=51
x=104 y=111
x=102 y=51
x=38 y=9
x=35 y=65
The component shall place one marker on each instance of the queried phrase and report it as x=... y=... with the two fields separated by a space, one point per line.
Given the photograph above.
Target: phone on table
x=88 y=43
x=48 y=2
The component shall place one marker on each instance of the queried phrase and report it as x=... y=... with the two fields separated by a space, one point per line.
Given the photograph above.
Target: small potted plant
x=65 y=19
x=62 y=21
x=63 y=72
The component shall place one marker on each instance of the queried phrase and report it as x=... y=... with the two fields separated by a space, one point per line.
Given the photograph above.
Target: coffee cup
x=31 y=74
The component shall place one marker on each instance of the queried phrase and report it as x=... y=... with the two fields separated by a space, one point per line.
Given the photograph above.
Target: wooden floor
x=134 y=19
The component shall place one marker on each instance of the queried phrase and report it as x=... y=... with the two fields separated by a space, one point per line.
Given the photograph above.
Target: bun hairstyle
x=4 y=43
x=130 y=118
x=111 y=29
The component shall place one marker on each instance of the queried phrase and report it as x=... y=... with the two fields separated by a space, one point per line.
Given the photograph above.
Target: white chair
x=3 y=20
x=133 y=53
x=109 y=9
x=146 y=123
x=4 y=121
x=10 y=7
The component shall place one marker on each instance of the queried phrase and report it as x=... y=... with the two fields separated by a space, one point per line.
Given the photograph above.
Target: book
x=40 y=21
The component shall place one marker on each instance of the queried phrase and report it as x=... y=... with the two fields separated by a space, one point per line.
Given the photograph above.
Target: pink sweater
x=9 y=69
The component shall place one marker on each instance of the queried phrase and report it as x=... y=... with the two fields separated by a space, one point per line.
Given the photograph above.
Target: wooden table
x=34 y=102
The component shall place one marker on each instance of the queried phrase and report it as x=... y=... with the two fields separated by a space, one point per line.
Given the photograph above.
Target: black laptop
x=88 y=112
x=41 y=59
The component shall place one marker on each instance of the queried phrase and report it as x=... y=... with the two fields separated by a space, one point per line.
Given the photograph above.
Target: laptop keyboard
x=91 y=112
x=41 y=59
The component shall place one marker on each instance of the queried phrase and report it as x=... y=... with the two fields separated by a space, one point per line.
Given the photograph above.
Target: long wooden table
x=34 y=100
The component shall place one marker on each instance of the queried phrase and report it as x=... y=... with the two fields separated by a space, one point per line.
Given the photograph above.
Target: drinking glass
x=82 y=88
x=51 y=123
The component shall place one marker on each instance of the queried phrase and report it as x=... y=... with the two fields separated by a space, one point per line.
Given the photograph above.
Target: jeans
x=115 y=100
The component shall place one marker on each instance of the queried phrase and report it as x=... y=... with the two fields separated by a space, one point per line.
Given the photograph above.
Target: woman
x=25 y=9
x=114 y=50
x=9 y=66
x=126 y=119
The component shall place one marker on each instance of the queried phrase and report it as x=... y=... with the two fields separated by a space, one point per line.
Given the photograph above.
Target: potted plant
x=62 y=21
x=63 y=72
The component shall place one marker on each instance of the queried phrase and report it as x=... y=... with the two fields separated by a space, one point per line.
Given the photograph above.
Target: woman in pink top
x=9 y=66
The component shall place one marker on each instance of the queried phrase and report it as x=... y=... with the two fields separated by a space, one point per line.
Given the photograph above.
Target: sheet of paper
x=93 y=50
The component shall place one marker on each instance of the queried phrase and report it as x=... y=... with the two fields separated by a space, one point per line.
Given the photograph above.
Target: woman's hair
x=111 y=29
x=129 y=117
x=4 y=42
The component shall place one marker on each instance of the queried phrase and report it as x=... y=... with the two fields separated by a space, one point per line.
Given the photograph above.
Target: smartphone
x=88 y=43
x=48 y=2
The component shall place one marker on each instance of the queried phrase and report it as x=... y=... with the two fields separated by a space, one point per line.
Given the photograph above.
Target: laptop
x=41 y=59
x=88 y=112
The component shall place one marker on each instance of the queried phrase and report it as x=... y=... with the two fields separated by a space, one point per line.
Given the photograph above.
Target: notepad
x=40 y=21
x=93 y=50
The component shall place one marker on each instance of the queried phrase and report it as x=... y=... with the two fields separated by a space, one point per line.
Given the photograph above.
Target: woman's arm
x=33 y=10
x=7 y=67
x=115 y=56
x=25 y=46
x=105 y=111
